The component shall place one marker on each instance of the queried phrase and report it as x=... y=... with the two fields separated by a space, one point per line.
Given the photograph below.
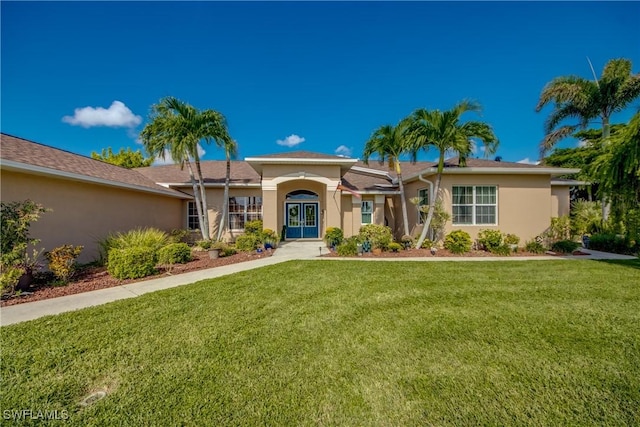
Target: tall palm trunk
x=225 y=202
x=432 y=201
x=203 y=200
x=605 y=202
x=196 y=194
x=403 y=199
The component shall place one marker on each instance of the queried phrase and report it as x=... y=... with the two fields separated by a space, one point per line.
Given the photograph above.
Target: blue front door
x=302 y=220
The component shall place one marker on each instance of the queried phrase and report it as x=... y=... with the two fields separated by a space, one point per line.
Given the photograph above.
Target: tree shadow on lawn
x=630 y=263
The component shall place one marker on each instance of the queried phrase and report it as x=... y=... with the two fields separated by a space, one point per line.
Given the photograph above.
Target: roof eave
x=209 y=185
x=494 y=171
x=257 y=162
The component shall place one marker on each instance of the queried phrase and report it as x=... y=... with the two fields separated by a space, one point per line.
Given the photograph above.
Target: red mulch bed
x=441 y=253
x=94 y=278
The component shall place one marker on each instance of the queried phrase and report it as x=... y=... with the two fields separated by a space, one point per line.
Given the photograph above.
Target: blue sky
x=289 y=76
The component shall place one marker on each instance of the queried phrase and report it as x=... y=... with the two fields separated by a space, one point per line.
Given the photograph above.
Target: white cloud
x=290 y=141
x=477 y=149
x=168 y=160
x=527 y=161
x=344 y=151
x=117 y=115
x=582 y=143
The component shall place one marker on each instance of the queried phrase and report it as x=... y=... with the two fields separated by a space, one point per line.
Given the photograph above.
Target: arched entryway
x=301 y=215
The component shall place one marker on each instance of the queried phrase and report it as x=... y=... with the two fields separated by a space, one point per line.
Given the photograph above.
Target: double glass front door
x=301 y=220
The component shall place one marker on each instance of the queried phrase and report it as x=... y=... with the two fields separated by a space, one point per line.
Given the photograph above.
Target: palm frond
x=552 y=138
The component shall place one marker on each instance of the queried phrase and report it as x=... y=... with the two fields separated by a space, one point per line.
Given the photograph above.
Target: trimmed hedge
x=132 y=263
x=458 y=242
x=175 y=253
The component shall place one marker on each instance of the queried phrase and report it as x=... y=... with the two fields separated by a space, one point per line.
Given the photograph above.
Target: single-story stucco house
x=304 y=191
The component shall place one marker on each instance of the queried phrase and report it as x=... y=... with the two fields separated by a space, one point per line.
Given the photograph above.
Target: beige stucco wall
x=84 y=213
x=279 y=180
x=524 y=203
x=274 y=171
x=560 y=200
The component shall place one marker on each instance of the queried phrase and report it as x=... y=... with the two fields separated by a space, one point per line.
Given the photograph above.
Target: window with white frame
x=423 y=204
x=193 y=221
x=243 y=209
x=367 y=211
x=474 y=205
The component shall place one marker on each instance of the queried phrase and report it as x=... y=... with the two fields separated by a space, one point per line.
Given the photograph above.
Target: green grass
x=347 y=343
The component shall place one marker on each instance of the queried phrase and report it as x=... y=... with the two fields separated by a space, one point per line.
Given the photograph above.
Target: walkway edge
x=289 y=251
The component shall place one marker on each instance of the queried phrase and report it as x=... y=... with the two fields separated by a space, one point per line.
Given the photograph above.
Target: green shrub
x=458 y=242
x=348 y=247
x=560 y=229
x=62 y=261
x=179 y=235
x=253 y=227
x=564 y=246
x=395 y=247
x=535 y=247
x=407 y=241
x=137 y=238
x=333 y=236
x=489 y=240
x=248 y=242
x=132 y=263
x=268 y=235
x=609 y=242
x=428 y=244
x=380 y=236
x=175 y=253
x=223 y=248
x=511 y=239
x=586 y=217
x=204 y=244
x=502 y=250
x=15 y=222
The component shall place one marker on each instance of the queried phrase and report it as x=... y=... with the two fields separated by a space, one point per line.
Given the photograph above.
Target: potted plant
x=217 y=249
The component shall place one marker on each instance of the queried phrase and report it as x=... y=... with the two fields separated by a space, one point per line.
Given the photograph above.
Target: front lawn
x=345 y=343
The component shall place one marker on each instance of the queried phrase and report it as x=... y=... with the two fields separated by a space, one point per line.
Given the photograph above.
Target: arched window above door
x=302 y=195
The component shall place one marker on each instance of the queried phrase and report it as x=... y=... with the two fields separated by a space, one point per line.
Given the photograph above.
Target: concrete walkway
x=298 y=250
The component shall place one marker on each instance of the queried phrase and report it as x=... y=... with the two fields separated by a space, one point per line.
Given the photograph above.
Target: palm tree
x=618 y=167
x=230 y=150
x=442 y=130
x=177 y=128
x=586 y=100
x=389 y=143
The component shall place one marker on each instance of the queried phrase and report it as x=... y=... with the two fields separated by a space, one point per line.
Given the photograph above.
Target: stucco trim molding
x=272 y=184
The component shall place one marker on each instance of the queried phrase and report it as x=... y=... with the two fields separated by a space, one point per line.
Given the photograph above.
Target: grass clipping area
x=339 y=343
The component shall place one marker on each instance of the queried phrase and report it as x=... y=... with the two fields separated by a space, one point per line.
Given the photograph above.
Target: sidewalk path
x=298 y=250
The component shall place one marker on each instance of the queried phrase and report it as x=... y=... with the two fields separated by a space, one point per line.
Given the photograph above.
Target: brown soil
x=94 y=278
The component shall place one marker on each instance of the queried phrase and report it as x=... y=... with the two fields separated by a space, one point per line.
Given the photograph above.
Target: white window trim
x=372 y=204
x=229 y=213
x=474 y=205
x=189 y=203
x=420 y=222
